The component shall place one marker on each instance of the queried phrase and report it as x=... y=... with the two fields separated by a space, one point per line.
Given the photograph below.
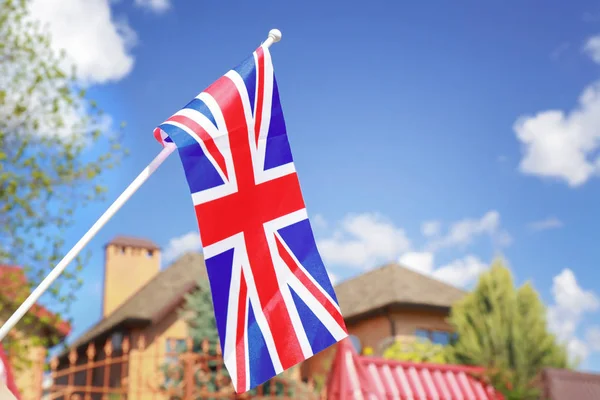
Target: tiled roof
x=165 y=289
x=393 y=284
x=561 y=384
x=361 y=377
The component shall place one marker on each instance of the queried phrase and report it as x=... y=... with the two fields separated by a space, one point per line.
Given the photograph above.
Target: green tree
x=54 y=147
x=419 y=350
x=504 y=329
x=199 y=315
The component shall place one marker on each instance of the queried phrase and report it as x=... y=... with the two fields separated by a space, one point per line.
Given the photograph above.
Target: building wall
x=126 y=270
x=29 y=380
x=27 y=374
x=375 y=332
x=144 y=364
x=140 y=371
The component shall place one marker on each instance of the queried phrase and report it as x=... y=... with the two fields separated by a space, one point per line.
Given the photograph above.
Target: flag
x=273 y=300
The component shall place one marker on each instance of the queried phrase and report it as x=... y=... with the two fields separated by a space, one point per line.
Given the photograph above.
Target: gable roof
x=393 y=284
x=149 y=303
x=562 y=384
x=362 y=377
x=13 y=282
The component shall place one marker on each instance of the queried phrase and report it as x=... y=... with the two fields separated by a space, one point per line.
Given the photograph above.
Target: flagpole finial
x=275 y=34
x=274 y=37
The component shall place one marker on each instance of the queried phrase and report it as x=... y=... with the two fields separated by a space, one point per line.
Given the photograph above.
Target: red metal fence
x=134 y=372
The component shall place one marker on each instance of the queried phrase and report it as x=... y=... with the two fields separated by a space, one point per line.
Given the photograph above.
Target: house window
x=437 y=337
x=117 y=341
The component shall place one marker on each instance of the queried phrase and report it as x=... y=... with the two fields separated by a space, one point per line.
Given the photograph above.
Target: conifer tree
x=504 y=329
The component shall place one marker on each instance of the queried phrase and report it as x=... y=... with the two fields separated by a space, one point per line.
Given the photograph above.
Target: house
x=40 y=323
x=141 y=301
x=387 y=303
x=355 y=377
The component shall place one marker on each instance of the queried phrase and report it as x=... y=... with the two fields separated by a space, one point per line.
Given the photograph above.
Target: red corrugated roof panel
x=401 y=380
x=360 y=377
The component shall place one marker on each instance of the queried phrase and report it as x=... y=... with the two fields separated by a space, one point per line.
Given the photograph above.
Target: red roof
x=13 y=279
x=361 y=377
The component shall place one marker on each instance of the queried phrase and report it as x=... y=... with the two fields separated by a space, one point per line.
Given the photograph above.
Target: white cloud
x=420 y=261
x=158 y=6
x=577 y=349
x=95 y=43
x=592 y=337
x=545 y=224
x=319 y=222
x=431 y=228
x=181 y=245
x=460 y=272
x=463 y=232
x=563 y=145
x=571 y=302
x=369 y=240
x=592 y=48
x=364 y=240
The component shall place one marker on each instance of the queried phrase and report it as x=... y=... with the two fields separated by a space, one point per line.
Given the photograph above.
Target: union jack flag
x=274 y=302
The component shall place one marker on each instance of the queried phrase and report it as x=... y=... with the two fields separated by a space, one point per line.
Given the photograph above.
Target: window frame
x=430 y=332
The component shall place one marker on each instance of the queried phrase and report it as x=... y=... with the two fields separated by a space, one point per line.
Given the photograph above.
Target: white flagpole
x=274 y=37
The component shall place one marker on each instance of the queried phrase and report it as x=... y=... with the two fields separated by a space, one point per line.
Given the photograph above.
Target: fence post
x=39 y=362
x=135 y=369
x=188 y=370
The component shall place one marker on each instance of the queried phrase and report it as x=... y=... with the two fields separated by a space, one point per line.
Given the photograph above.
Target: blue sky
x=438 y=134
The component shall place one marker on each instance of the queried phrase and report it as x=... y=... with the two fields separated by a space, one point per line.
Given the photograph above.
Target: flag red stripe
x=205 y=137
x=158 y=136
x=312 y=288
